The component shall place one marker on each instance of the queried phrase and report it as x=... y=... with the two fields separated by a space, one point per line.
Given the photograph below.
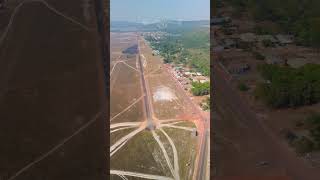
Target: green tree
x=289 y=87
x=315 y=33
x=200 y=89
x=314 y=122
x=243 y=87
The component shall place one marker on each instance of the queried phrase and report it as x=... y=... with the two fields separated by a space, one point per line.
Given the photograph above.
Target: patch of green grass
x=200 y=60
x=303 y=145
x=243 y=87
x=141 y=154
x=186 y=124
x=196 y=39
x=115 y=136
x=314 y=122
x=200 y=89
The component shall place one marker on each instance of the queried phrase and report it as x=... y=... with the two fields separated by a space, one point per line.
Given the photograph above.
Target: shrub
x=243 y=87
x=200 y=89
x=205 y=104
x=314 y=123
x=303 y=145
x=289 y=87
x=290 y=136
x=267 y=43
x=258 y=55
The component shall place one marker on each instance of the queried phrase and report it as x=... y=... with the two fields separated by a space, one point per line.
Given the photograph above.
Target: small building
x=272 y=59
x=270 y=38
x=284 y=39
x=155 y=52
x=239 y=68
x=229 y=43
x=247 y=40
x=217 y=49
x=193 y=74
x=248 y=37
x=201 y=79
x=190 y=74
x=296 y=62
x=219 y=20
x=187 y=74
x=177 y=75
x=229 y=29
x=178 y=69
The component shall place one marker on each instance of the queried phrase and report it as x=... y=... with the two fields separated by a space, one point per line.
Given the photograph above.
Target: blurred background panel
x=266 y=77
x=52 y=90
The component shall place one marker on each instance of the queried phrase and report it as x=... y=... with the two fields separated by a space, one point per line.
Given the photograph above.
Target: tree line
x=191 y=48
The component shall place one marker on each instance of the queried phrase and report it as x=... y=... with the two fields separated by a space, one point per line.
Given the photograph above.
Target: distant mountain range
x=168 y=25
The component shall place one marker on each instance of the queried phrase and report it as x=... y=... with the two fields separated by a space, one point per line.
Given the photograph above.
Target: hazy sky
x=150 y=10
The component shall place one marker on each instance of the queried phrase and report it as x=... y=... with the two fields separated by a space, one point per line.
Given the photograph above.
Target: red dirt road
x=203 y=125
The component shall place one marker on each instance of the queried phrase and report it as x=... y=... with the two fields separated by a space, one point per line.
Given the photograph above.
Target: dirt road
x=148 y=108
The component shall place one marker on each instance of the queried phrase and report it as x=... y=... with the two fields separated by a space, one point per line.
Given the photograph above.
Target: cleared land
x=135 y=151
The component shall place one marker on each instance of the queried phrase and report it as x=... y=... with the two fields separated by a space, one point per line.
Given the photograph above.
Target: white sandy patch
x=144 y=61
x=164 y=93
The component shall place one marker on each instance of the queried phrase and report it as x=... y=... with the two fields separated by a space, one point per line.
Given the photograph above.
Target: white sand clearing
x=164 y=93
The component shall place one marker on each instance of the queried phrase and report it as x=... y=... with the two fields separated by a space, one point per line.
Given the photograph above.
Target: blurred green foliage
x=289 y=87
